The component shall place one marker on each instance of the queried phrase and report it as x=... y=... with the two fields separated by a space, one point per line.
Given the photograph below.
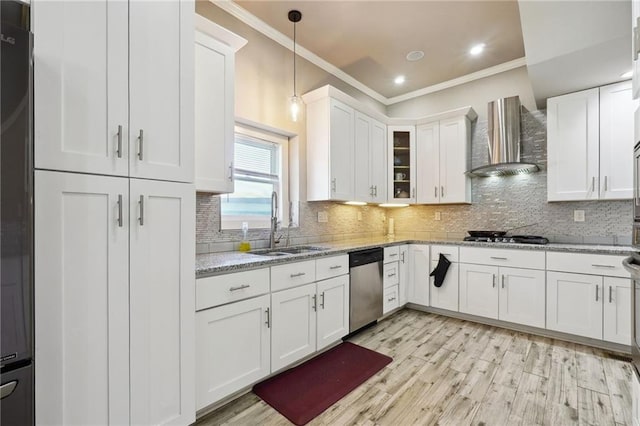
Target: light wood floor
x=451 y=372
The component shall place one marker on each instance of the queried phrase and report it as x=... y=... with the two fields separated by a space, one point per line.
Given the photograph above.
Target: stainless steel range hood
x=504 y=141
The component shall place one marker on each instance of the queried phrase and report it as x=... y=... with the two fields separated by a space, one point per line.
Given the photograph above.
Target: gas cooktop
x=516 y=239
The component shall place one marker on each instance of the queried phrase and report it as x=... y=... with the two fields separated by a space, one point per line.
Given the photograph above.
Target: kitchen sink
x=284 y=251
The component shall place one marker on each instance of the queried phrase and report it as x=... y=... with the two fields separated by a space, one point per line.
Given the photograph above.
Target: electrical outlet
x=359 y=215
x=438 y=216
x=578 y=215
x=323 y=217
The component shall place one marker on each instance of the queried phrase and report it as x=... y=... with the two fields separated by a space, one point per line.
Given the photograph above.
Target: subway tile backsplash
x=499 y=203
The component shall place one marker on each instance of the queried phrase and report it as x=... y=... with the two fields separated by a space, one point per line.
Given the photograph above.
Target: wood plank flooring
x=447 y=371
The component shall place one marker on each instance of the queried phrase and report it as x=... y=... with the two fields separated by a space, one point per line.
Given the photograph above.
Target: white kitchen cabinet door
x=161 y=93
x=428 y=163
x=445 y=296
x=401 y=141
x=162 y=302
x=573 y=146
x=293 y=325
x=233 y=348
x=522 y=296
x=617 y=310
x=479 y=290
x=341 y=151
x=214 y=115
x=333 y=310
x=81 y=299
x=455 y=184
x=617 y=110
x=419 y=274
x=80 y=86
x=574 y=304
x=378 y=161
x=390 y=299
x=404 y=269
x=362 y=161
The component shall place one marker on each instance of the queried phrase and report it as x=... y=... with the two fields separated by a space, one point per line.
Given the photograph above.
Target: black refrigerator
x=16 y=217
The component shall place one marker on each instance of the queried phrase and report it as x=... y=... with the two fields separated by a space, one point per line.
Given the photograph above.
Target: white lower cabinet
x=445 y=296
x=114 y=300
x=390 y=299
x=617 y=310
x=403 y=284
x=508 y=294
x=333 y=310
x=232 y=349
x=419 y=274
x=574 y=304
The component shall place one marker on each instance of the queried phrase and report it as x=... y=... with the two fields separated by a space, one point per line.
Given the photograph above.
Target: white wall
x=476 y=93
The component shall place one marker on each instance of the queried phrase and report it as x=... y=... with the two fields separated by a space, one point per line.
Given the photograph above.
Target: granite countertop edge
x=211 y=264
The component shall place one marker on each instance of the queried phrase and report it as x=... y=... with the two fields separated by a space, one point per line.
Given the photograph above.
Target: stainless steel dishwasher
x=365 y=294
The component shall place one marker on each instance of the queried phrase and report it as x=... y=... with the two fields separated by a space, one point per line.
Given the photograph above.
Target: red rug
x=303 y=392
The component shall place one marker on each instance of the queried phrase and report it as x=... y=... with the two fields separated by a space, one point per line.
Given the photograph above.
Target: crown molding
x=259 y=25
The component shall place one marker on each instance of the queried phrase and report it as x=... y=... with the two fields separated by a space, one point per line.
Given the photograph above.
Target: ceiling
x=369 y=40
x=570 y=45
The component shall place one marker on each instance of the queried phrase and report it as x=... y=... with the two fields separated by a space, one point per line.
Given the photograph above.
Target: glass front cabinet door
x=402 y=164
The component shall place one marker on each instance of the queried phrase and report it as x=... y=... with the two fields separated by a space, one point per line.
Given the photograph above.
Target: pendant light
x=295 y=103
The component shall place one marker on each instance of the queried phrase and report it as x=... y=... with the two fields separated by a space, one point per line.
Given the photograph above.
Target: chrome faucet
x=274 y=219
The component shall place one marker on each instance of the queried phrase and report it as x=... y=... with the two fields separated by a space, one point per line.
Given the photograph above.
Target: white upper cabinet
x=402 y=164
x=113 y=88
x=589 y=138
x=214 y=106
x=617 y=109
x=161 y=70
x=443 y=149
x=370 y=159
x=80 y=75
x=330 y=150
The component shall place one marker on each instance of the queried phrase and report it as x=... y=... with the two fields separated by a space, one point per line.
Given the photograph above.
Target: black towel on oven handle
x=440 y=271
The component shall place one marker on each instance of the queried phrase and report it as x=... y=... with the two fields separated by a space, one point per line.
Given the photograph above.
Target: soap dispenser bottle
x=245 y=245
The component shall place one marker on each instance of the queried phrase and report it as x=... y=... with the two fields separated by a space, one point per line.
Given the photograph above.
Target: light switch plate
x=323 y=217
x=578 y=215
x=438 y=216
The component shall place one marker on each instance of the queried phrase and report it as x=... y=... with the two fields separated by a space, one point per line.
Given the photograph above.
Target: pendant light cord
x=294 y=59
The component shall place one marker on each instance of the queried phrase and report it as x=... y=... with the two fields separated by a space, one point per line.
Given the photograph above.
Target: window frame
x=282 y=140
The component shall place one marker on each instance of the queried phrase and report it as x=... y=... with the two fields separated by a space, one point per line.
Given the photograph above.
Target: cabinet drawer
x=450 y=252
x=390 y=274
x=292 y=274
x=221 y=289
x=584 y=263
x=391 y=254
x=329 y=267
x=390 y=301
x=503 y=257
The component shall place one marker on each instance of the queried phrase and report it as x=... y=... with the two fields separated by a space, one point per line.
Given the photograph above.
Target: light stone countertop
x=225 y=262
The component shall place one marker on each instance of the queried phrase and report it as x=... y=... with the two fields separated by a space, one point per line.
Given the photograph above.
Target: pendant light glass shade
x=295 y=103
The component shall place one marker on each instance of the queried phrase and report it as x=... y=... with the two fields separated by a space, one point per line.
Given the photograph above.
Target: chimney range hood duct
x=504 y=141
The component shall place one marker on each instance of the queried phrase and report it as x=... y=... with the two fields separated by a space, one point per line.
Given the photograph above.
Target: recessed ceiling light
x=477 y=49
x=627 y=74
x=399 y=79
x=415 y=55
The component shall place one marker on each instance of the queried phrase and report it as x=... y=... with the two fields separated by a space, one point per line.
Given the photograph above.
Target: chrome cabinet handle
x=605 y=183
x=391 y=275
x=315 y=302
x=140 y=145
x=322 y=300
x=435 y=191
x=503 y=281
x=335 y=267
x=333 y=184
x=494 y=280
x=610 y=294
x=413 y=193
x=375 y=190
x=299 y=274
x=445 y=254
x=230 y=177
x=597 y=292
x=593 y=184
x=268 y=322
x=393 y=254
x=595 y=265
x=391 y=300
x=371 y=190
x=141 y=218
x=120 y=210
x=442 y=191
x=402 y=257
x=119 y=149
x=240 y=287
x=499 y=258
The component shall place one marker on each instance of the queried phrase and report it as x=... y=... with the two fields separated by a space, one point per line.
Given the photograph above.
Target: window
x=260 y=168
